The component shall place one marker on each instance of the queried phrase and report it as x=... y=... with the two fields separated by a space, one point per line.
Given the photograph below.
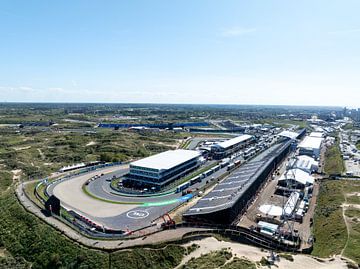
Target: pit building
x=228 y=147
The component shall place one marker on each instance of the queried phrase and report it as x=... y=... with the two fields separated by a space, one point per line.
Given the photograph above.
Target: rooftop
x=311 y=142
x=233 y=141
x=298 y=175
x=289 y=134
x=167 y=160
x=316 y=134
x=304 y=162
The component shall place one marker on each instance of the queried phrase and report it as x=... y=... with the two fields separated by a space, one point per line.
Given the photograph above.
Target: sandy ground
x=351 y=206
x=2 y=253
x=91 y=143
x=70 y=192
x=21 y=148
x=255 y=254
x=16 y=174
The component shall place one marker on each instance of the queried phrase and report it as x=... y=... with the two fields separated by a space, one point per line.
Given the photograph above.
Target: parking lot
x=351 y=154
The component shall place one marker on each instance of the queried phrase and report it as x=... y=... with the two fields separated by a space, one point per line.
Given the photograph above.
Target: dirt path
x=255 y=254
x=343 y=207
x=42 y=155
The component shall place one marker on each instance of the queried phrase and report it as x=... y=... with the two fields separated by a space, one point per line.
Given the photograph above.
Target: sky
x=218 y=52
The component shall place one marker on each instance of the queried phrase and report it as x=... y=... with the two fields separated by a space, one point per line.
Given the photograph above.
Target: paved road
x=114 y=215
x=196 y=140
x=153 y=239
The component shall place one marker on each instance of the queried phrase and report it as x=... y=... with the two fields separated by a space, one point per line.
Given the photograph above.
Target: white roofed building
x=317 y=134
x=305 y=163
x=297 y=178
x=228 y=147
x=289 y=134
x=311 y=146
x=163 y=168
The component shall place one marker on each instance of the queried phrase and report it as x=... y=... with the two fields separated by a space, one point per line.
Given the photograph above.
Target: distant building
x=317 y=134
x=161 y=169
x=228 y=147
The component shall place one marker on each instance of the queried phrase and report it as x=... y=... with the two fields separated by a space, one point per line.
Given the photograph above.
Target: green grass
x=329 y=227
x=164 y=258
x=28 y=238
x=286 y=256
x=352 y=212
x=39 y=154
x=192 y=248
x=211 y=260
x=114 y=183
x=186 y=144
x=353 y=248
x=285 y=123
x=348 y=126
x=334 y=163
x=353 y=199
x=30 y=242
x=29 y=190
x=5 y=180
x=239 y=263
x=358 y=145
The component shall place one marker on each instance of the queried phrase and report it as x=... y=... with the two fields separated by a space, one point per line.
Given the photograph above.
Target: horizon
x=245 y=53
x=176 y=104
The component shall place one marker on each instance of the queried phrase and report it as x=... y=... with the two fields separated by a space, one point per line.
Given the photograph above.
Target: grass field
x=26 y=241
x=162 y=258
x=219 y=259
x=334 y=163
x=329 y=226
x=38 y=154
x=211 y=260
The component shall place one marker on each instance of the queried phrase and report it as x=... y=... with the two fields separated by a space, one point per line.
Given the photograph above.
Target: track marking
x=137 y=214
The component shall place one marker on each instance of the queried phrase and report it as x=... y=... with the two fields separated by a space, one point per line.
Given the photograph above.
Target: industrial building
x=228 y=147
x=311 y=146
x=161 y=169
x=232 y=196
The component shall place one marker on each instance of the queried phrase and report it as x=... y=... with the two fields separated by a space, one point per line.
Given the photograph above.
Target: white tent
x=299 y=176
x=272 y=210
x=305 y=163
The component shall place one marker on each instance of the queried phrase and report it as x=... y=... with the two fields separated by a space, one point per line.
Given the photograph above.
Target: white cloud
x=237 y=31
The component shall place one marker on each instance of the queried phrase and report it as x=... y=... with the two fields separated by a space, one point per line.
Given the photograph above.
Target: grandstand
x=232 y=196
